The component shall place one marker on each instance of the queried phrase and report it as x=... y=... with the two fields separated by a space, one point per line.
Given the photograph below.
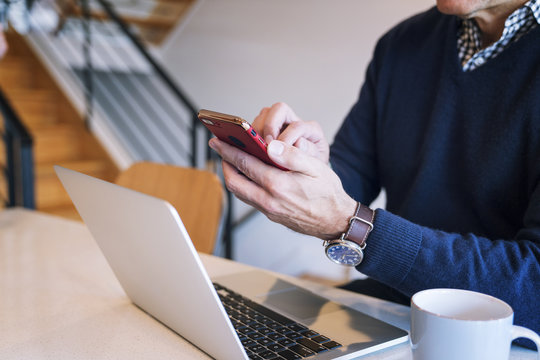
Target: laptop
x=247 y=315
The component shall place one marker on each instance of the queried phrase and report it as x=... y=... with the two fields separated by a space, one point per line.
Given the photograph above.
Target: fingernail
x=275 y=148
x=268 y=139
x=211 y=143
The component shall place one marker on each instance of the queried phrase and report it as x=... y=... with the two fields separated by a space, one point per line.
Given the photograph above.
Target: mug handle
x=520 y=331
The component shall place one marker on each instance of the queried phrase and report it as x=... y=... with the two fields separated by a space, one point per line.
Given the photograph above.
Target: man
x=448 y=123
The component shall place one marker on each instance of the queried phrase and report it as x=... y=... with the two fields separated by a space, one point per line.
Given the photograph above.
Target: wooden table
x=60 y=300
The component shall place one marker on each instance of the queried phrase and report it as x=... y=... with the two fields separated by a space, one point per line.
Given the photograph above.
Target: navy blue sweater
x=458 y=154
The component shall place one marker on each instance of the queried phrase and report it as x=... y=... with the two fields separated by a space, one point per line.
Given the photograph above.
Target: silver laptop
x=248 y=315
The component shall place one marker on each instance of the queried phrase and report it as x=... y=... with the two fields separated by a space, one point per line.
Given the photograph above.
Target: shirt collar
x=472 y=30
x=534 y=6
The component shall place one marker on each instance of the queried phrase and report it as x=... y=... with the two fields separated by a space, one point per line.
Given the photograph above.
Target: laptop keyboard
x=266 y=334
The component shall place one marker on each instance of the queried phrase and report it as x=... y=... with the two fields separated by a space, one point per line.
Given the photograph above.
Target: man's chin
x=462 y=8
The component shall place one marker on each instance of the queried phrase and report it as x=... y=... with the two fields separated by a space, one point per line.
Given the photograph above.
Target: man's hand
x=281 y=123
x=309 y=198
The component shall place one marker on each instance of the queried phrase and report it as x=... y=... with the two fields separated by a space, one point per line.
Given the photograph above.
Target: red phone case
x=237 y=132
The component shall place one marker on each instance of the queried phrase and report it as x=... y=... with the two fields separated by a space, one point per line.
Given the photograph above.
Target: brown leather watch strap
x=360 y=225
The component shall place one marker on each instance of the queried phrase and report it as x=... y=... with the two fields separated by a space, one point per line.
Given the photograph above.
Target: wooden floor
x=59 y=134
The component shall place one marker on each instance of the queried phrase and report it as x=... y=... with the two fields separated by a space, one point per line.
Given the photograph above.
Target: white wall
x=237 y=56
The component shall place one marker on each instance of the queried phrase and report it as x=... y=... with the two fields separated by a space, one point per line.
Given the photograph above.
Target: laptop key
x=297 y=327
x=268 y=354
x=287 y=342
x=266 y=320
x=265 y=341
x=256 y=349
x=242 y=318
x=266 y=331
x=248 y=343
x=274 y=325
x=283 y=330
x=294 y=336
x=312 y=345
x=302 y=351
x=310 y=333
x=258 y=316
x=250 y=322
x=245 y=331
x=331 y=344
x=256 y=336
x=258 y=327
x=275 y=336
x=289 y=355
x=276 y=347
x=237 y=324
x=250 y=313
x=320 y=339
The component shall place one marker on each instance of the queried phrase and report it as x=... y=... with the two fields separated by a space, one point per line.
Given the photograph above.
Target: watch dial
x=345 y=255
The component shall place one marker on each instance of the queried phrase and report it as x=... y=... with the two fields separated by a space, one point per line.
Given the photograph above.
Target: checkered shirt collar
x=469 y=43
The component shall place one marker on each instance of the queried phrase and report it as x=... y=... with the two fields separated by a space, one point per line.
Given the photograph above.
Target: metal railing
x=124 y=84
x=121 y=82
x=19 y=164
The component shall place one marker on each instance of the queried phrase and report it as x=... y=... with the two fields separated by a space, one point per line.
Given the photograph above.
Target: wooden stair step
x=16 y=46
x=49 y=190
x=59 y=134
x=35 y=121
x=35 y=107
x=15 y=74
x=57 y=143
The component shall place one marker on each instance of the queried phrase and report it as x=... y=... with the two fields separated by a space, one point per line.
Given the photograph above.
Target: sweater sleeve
x=410 y=258
x=352 y=153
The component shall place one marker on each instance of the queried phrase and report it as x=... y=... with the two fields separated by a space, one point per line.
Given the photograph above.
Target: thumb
x=293 y=158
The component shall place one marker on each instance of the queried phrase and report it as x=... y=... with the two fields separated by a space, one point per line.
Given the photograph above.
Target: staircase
x=153 y=19
x=60 y=136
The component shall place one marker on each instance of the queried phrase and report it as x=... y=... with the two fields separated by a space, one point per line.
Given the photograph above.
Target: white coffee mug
x=450 y=324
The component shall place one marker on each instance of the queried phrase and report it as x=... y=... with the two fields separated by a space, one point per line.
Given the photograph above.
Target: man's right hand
x=281 y=123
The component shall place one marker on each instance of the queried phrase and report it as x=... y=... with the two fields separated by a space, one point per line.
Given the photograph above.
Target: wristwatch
x=348 y=249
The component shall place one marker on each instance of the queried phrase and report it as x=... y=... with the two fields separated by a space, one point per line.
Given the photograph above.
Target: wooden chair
x=197 y=195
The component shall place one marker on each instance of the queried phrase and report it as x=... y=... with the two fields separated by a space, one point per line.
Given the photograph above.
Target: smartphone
x=237 y=132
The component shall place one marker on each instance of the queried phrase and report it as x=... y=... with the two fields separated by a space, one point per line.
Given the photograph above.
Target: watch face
x=345 y=254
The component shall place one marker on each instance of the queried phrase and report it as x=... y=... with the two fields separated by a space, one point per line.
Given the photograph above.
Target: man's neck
x=491 y=20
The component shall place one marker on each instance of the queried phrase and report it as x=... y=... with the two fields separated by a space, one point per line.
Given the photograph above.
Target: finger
x=294 y=159
x=249 y=165
x=258 y=123
x=277 y=118
x=245 y=189
x=308 y=147
x=309 y=130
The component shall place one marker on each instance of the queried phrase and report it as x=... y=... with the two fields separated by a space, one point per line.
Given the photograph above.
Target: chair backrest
x=196 y=194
